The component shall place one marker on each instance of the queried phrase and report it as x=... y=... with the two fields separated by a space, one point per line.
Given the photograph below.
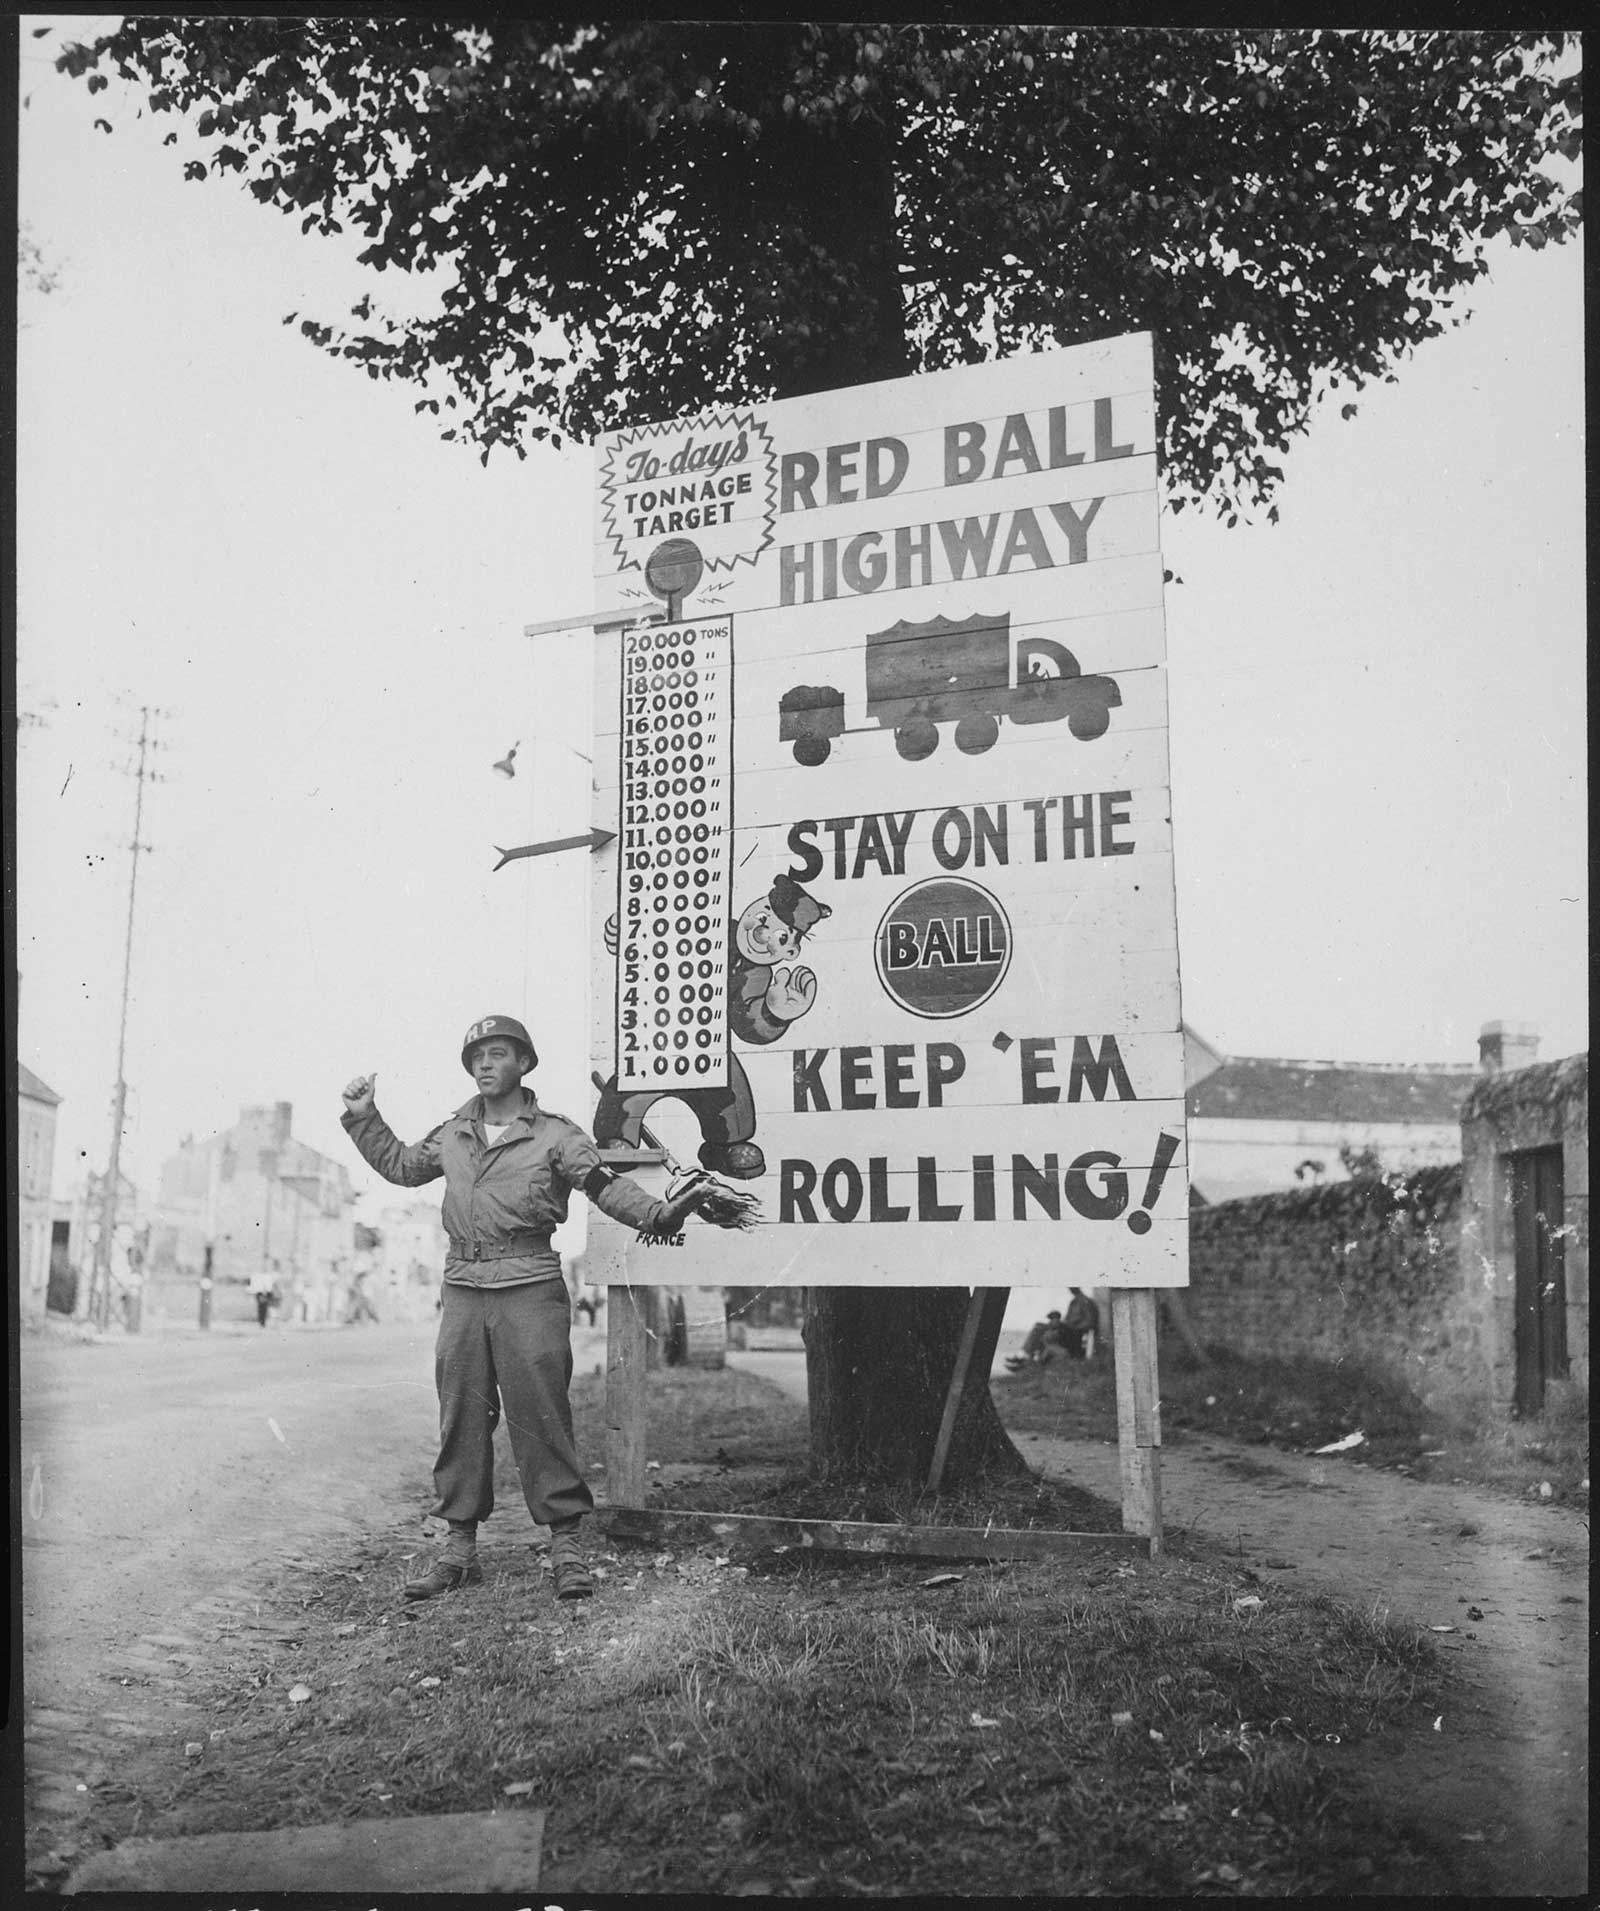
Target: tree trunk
x=879 y=1360
x=878 y=1368
x=844 y=247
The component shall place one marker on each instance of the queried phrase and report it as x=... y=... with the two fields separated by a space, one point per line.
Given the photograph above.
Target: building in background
x=408 y=1259
x=74 y=1229
x=258 y=1199
x=36 y=1150
x=1258 y=1124
x=1466 y=1283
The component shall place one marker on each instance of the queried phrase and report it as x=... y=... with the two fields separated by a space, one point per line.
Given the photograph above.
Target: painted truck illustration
x=953 y=671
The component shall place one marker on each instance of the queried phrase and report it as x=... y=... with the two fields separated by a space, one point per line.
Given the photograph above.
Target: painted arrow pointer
x=590 y=839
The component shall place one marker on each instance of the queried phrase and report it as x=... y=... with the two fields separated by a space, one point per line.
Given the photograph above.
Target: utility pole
x=100 y=1306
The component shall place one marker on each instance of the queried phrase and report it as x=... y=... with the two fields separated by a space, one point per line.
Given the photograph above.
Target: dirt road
x=167 y=1482
x=1507 y=1772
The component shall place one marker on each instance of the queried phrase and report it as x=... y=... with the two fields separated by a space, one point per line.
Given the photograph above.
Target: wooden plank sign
x=887 y=934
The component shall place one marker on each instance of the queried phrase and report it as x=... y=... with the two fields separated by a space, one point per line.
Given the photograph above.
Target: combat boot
x=445 y=1575
x=570 y=1567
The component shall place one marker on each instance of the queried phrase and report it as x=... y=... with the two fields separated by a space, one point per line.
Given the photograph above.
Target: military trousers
x=506 y=1351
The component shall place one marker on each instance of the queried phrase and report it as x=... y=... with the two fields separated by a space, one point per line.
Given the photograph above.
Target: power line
x=100 y=1288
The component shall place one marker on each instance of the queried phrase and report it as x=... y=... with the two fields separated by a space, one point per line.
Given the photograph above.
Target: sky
x=1377 y=705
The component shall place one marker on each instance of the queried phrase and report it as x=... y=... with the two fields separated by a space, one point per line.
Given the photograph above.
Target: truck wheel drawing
x=953 y=671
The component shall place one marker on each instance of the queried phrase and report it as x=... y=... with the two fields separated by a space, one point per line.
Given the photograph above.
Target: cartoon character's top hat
x=792 y=904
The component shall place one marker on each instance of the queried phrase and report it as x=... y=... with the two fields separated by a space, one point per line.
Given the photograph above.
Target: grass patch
x=825 y=1725
x=1301 y=1404
x=728 y=1442
x=710 y=1417
x=1524 y=1456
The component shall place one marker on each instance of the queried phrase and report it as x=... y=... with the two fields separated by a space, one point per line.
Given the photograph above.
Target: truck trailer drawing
x=949 y=670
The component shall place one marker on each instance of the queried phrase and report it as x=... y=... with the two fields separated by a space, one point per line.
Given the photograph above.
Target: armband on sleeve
x=596 y=1181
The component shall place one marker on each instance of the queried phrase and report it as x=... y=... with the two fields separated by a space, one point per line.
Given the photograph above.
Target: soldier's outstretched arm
x=617 y=1195
x=380 y=1147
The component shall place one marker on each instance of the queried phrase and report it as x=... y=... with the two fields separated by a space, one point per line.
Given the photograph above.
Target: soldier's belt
x=507 y=1247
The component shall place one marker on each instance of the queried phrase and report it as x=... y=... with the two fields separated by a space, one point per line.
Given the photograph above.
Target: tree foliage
x=35 y=272
x=630 y=221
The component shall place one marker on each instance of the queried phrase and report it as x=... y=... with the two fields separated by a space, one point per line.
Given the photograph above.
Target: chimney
x=1506 y=1045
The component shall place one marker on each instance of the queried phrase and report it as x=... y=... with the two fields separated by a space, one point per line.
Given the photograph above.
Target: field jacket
x=503 y=1199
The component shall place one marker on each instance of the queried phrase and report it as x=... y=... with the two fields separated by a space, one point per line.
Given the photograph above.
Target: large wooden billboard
x=887 y=932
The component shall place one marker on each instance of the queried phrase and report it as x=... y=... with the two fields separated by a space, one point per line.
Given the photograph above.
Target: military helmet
x=505 y=1026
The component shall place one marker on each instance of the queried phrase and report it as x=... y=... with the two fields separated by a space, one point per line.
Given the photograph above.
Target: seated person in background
x=1043 y=1337
x=1083 y=1319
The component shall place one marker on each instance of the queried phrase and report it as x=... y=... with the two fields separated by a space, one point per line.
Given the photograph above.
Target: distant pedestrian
x=585 y=1299
x=126 y=1278
x=358 y=1306
x=505 y=1318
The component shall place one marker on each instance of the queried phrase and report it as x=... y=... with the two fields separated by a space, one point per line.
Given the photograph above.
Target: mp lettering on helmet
x=501 y=1027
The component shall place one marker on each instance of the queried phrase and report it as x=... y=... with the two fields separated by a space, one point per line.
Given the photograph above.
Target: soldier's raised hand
x=790 y=993
x=609 y=932
x=358 y=1094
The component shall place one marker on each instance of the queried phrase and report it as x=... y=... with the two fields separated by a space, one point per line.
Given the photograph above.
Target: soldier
x=509 y=1167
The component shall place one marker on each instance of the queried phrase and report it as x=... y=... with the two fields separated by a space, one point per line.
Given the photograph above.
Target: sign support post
x=985 y=1302
x=1133 y=1330
x=625 y=1397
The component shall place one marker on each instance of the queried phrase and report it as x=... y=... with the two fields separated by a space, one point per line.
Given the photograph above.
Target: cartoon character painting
x=767 y=992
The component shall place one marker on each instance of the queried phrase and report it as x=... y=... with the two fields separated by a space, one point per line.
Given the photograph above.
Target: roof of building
x=1200 y=1057
x=30 y=1085
x=289 y=1160
x=1259 y=1088
x=1539 y=1084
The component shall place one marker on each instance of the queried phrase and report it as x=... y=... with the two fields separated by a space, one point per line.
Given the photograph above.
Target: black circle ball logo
x=943 y=947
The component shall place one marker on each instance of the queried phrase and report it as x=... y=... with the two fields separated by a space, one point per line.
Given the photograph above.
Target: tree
x=36 y=275
x=630 y=221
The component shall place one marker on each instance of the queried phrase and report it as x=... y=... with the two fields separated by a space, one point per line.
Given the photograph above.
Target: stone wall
x=1356 y=1269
